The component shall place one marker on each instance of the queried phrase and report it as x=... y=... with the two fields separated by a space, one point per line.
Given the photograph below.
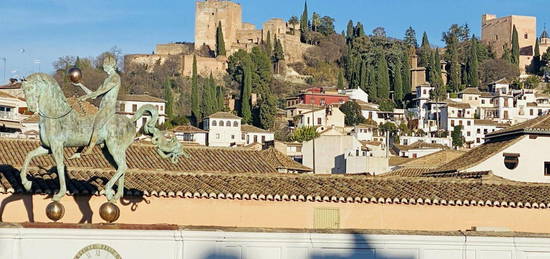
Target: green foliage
x=352 y=110
x=371 y=83
x=398 y=83
x=461 y=33
x=268 y=111
x=195 y=101
x=268 y=47
x=515 y=47
x=531 y=82
x=472 y=65
x=350 y=32
x=278 y=53
x=388 y=127
x=304 y=23
x=455 y=80
x=169 y=98
x=386 y=105
x=245 y=107
x=359 y=30
x=382 y=77
x=305 y=133
x=536 y=62
x=220 y=42
x=410 y=37
x=425 y=52
x=340 y=84
x=220 y=99
x=406 y=72
x=456 y=135
x=326 y=27
x=209 y=102
x=495 y=69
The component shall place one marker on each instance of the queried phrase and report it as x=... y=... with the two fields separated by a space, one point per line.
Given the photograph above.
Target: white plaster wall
x=533 y=154
x=139 y=123
x=223 y=136
x=269 y=136
x=28 y=243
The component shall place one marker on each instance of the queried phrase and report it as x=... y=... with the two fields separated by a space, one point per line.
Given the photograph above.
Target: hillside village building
x=225 y=130
x=129 y=104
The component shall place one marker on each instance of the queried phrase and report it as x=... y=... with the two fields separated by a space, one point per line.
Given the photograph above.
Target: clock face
x=97 y=251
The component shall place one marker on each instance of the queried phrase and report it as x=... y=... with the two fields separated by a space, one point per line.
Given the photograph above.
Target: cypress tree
x=340 y=80
x=424 y=54
x=371 y=89
x=168 y=97
x=398 y=83
x=220 y=98
x=195 y=102
x=246 y=110
x=350 y=31
x=536 y=58
x=363 y=78
x=382 y=76
x=206 y=101
x=304 y=23
x=220 y=42
x=440 y=91
x=472 y=64
x=452 y=53
x=268 y=45
x=278 y=52
x=515 y=47
x=268 y=111
x=406 y=72
x=359 y=30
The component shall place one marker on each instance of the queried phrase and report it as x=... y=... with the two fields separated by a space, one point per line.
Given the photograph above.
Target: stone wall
x=149 y=61
x=207 y=16
x=205 y=66
x=174 y=49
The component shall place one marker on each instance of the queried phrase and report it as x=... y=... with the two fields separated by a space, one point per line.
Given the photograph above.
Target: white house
x=408 y=140
x=356 y=94
x=190 y=135
x=256 y=135
x=224 y=130
x=327 y=116
x=129 y=104
x=418 y=149
x=12 y=112
x=517 y=153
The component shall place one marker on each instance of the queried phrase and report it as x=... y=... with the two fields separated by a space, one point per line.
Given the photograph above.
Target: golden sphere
x=55 y=211
x=75 y=74
x=109 y=212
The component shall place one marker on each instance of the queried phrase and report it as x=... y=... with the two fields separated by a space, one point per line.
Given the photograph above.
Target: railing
x=9 y=116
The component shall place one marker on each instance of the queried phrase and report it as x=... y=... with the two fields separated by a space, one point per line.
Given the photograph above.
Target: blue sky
x=48 y=29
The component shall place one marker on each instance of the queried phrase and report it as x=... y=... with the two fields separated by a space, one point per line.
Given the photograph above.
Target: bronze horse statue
x=61 y=126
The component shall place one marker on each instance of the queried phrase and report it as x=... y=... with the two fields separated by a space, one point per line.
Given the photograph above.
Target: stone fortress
x=237 y=35
x=497 y=32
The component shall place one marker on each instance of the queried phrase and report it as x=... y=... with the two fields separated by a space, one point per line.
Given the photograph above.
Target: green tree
x=350 y=32
x=340 y=80
x=304 y=24
x=220 y=98
x=246 y=109
x=472 y=64
x=425 y=52
x=195 y=102
x=278 y=53
x=398 y=83
x=515 y=47
x=453 y=58
x=382 y=76
x=268 y=46
x=268 y=111
x=385 y=105
x=532 y=82
x=535 y=65
x=169 y=98
x=440 y=91
x=315 y=21
x=372 y=85
x=352 y=112
x=406 y=72
x=220 y=42
x=410 y=37
x=359 y=30
x=293 y=21
x=456 y=135
x=305 y=133
x=389 y=127
x=326 y=27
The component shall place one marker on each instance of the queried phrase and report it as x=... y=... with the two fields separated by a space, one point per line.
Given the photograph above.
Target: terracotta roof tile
x=397 y=160
x=144 y=157
x=224 y=115
x=539 y=124
x=420 y=145
x=471 y=90
x=250 y=128
x=140 y=98
x=457 y=104
x=434 y=160
x=188 y=129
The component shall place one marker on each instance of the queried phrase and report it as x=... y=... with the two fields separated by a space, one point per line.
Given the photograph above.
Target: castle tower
x=208 y=14
x=544 y=42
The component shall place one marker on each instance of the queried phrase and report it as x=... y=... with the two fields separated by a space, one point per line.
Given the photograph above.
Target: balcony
x=10 y=116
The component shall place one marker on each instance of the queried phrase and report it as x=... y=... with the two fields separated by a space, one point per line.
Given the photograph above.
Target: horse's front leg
x=39 y=151
x=57 y=150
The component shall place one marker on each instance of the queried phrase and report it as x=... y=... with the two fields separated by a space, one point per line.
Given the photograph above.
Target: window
x=478 y=131
x=214 y=123
x=307 y=120
x=452 y=123
x=318 y=121
x=482 y=101
x=460 y=123
x=468 y=133
x=526 y=36
x=134 y=107
x=255 y=138
x=122 y=107
x=187 y=137
x=232 y=136
x=485 y=131
x=511 y=160
x=478 y=140
x=547 y=168
x=531 y=112
x=263 y=139
x=235 y=124
x=221 y=123
x=540 y=112
x=469 y=123
x=217 y=135
x=228 y=123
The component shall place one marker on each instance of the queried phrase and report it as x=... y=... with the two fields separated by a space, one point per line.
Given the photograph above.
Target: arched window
x=214 y=123
x=235 y=124
x=511 y=160
x=228 y=123
x=221 y=123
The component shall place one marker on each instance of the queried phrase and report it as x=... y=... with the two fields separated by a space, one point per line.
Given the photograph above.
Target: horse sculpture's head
x=44 y=95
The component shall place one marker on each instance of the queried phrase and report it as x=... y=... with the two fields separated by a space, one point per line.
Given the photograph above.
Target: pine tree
x=340 y=80
x=406 y=72
x=350 y=32
x=246 y=110
x=397 y=83
x=169 y=98
x=382 y=76
x=220 y=42
x=515 y=47
x=472 y=64
x=304 y=23
x=452 y=54
x=195 y=102
x=268 y=45
x=410 y=37
x=425 y=52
